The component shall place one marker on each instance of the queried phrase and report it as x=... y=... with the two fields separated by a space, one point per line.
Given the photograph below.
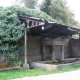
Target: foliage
x=11 y=29
x=28 y=3
x=45 y=6
x=58 y=10
x=19 y=63
x=30 y=12
x=78 y=25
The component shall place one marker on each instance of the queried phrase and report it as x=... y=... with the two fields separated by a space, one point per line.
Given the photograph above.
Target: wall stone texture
x=74 y=47
x=71 y=49
x=57 y=43
x=33 y=49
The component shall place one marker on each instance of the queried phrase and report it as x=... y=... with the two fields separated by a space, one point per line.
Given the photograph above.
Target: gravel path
x=73 y=75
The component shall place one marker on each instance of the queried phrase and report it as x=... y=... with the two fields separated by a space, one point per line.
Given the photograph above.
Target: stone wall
x=71 y=49
x=34 y=49
x=58 y=50
x=58 y=53
x=48 y=52
x=66 y=48
x=74 y=46
x=58 y=42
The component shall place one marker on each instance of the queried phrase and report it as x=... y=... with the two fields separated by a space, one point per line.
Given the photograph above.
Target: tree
x=45 y=6
x=11 y=30
x=28 y=3
x=78 y=25
x=71 y=21
x=58 y=10
x=30 y=12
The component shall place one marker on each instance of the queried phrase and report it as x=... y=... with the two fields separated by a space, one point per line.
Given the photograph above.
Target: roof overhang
x=49 y=29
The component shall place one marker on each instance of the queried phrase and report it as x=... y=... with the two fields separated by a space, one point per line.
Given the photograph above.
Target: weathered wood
x=34 y=21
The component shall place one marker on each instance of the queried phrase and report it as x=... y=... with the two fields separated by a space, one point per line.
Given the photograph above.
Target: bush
x=30 y=12
x=11 y=29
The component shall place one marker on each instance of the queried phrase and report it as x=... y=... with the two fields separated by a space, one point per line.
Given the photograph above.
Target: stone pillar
x=25 y=65
x=62 y=52
x=79 y=35
x=44 y=53
x=53 y=53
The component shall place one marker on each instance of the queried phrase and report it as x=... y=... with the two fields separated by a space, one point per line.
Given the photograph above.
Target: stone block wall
x=34 y=49
x=58 y=42
x=74 y=46
x=48 y=52
x=66 y=49
x=58 y=53
x=71 y=49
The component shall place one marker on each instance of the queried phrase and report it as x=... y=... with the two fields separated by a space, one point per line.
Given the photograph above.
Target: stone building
x=34 y=53
x=50 y=41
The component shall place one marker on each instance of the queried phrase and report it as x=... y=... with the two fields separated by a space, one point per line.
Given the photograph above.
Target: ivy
x=11 y=28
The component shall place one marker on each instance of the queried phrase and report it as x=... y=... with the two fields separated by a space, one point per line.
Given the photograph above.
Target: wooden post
x=53 y=53
x=62 y=52
x=25 y=65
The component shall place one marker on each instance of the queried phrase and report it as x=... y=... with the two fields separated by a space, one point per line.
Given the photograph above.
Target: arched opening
x=30 y=23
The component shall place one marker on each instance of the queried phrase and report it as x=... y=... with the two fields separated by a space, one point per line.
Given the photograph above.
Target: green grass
x=21 y=73
x=18 y=74
x=70 y=68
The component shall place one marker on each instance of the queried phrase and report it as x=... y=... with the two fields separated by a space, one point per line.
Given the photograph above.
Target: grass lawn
x=21 y=73
x=18 y=74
